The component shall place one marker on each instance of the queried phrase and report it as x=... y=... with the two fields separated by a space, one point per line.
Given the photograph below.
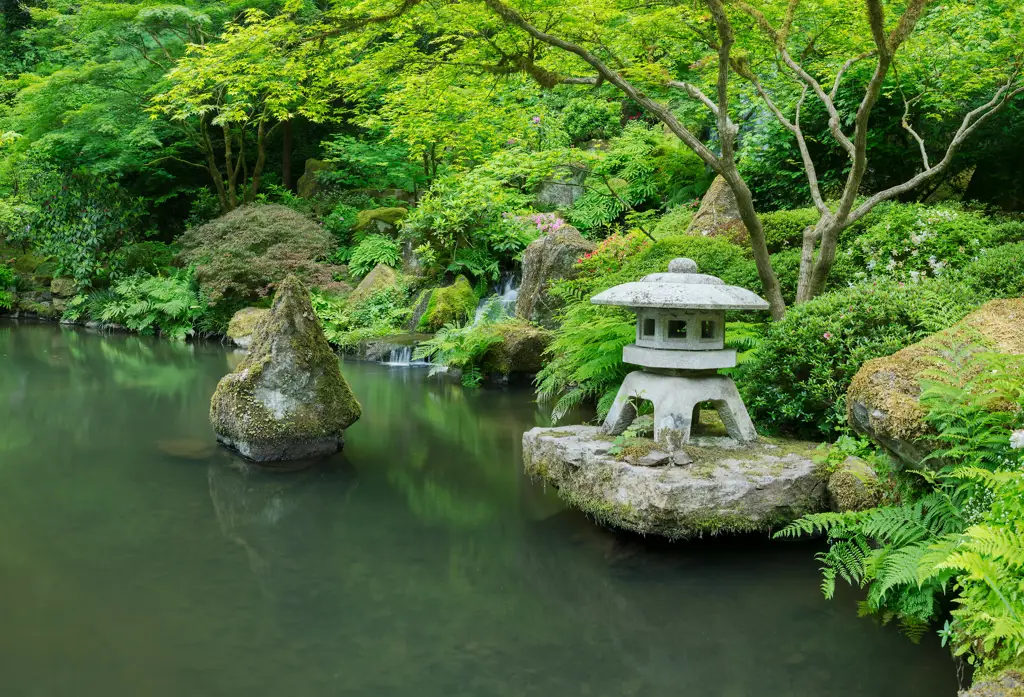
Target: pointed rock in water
x=288 y=399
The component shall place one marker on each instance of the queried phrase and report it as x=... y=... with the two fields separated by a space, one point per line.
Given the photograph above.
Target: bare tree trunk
x=261 y=160
x=232 y=170
x=286 y=155
x=211 y=165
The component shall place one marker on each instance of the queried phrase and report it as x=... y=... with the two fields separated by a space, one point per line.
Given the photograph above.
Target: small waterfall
x=501 y=304
x=401 y=356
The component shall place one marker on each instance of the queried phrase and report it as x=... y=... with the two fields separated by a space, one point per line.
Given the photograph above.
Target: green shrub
x=1007 y=232
x=797 y=380
x=675 y=221
x=907 y=241
x=7 y=280
x=146 y=257
x=585 y=119
x=373 y=250
x=341 y=221
x=239 y=256
x=170 y=304
x=783 y=229
x=997 y=272
x=450 y=305
x=346 y=323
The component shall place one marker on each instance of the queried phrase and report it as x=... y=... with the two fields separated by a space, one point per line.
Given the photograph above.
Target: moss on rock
x=853 y=486
x=454 y=303
x=243 y=324
x=384 y=219
x=725 y=490
x=883 y=400
x=379 y=278
x=288 y=399
x=520 y=350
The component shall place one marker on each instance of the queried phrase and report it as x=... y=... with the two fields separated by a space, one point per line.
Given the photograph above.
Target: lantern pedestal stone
x=676 y=401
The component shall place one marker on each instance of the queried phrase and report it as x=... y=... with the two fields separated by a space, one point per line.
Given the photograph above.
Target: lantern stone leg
x=676 y=400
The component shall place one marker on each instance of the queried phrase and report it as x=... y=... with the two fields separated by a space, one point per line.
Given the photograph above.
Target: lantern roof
x=681 y=288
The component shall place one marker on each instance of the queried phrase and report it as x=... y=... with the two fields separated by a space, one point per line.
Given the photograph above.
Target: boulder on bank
x=721 y=490
x=853 y=486
x=63 y=287
x=382 y=220
x=243 y=325
x=548 y=259
x=307 y=186
x=454 y=303
x=1009 y=683
x=379 y=278
x=519 y=351
x=287 y=399
x=719 y=215
x=883 y=401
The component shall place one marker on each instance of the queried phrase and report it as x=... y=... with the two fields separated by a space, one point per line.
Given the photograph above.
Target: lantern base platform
x=676 y=401
x=674 y=359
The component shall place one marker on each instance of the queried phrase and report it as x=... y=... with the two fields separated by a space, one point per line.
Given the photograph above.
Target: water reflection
x=137 y=558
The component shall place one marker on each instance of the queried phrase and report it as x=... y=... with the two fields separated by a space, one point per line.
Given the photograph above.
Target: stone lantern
x=680 y=344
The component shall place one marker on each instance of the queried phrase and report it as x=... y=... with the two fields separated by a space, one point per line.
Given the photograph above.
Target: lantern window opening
x=708 y=329
x=676 y=329
x=649 y=327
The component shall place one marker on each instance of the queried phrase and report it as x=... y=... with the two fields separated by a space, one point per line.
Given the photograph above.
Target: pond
x=138 y=559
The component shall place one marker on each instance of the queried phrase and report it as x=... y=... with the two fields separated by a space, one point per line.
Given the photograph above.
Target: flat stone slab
x=727 y=488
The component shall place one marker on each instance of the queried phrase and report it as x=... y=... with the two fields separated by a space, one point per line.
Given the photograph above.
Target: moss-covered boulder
x=707 y=489
x=382 y=220
x=454 y=303
x=883 y=401
x=550 y=258
x=288 y=399
x=63 y=287
x=853 y=486
x=380 y=277
x=307 y=186
x=243 y=324
x=520 y=350
x=719 y=215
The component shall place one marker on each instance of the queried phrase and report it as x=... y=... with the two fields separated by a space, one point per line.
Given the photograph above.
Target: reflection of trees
x=58 y=382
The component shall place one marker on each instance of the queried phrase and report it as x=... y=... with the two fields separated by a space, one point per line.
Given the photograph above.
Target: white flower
x=1017 y=440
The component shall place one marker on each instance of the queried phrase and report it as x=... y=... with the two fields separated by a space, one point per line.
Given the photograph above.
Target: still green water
x=138 y=560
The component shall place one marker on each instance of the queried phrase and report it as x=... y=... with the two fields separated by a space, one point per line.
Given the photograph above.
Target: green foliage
x=341 y=220
x=345 y=323
x=144 y=304
x=242 y=254
x=150 y=258
x=461 y=348
x=784 y=229
x=642 y=169
x=80 y=220
x=797 y=380
x=998 y=272
x=911 y=241
x=373 y=250
x=7 y=280
x=365 y=164
x=585 y=119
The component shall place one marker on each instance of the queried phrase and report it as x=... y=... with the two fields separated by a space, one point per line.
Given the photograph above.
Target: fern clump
x=169 y=304
x=956 y=530
x=373 y=250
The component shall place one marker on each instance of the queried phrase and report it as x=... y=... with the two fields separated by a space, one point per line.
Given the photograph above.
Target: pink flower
x=536 y=120
x=827 y=335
